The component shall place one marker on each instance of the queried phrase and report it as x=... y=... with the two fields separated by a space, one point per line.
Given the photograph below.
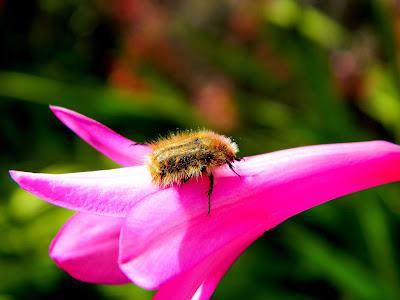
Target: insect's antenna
x=231 y=167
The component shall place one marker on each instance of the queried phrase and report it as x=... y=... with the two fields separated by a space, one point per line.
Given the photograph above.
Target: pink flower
x=127 y=229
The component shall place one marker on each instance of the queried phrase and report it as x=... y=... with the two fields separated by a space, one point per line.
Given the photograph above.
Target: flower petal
x=159 y=241
x=86 y=247
x=200 y=282
x=116 y=147
x=301 y=178
x=109 y=193
x=170 y=233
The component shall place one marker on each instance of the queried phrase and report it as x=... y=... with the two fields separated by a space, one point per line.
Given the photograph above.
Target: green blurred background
x=272 y=74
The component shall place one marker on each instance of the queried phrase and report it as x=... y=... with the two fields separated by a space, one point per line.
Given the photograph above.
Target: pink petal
x=109 y=193
x=170 y=233
x=86 y=247
x=116 y=147
x=200 y=282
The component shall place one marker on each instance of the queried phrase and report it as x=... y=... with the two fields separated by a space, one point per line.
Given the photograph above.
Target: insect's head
x=230 y=149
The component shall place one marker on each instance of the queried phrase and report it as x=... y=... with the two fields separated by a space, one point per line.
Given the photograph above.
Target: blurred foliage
x=273 y=74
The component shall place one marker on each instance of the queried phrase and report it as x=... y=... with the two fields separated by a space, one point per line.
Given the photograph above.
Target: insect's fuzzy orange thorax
x=181 y=156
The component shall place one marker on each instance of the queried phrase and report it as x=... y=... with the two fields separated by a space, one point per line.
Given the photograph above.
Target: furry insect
x=182 y=156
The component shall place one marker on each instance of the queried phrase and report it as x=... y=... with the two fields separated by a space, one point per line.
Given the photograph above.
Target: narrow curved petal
x=103 y=139
x=170 y=233
x=86 y=247
x=200 y=282
x=109 y=193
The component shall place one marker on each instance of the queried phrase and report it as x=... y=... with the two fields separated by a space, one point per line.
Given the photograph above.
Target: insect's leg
x=135 y=144
x=211 y=177
x=231 y=167
x=238 y=158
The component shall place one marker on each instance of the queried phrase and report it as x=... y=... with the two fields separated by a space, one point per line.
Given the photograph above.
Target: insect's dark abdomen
x=185 y=158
